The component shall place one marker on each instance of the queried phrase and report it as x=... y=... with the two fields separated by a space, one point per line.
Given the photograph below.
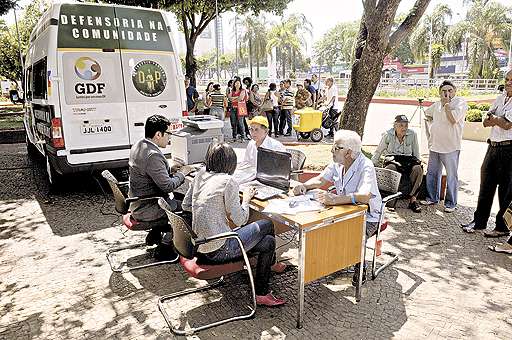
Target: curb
x=12 y=136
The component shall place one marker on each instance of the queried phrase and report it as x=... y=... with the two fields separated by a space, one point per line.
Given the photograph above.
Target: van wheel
x=317 y=135
x=53 y=177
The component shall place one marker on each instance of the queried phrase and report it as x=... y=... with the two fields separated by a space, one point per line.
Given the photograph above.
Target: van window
x=39 y=90
x=28 y=77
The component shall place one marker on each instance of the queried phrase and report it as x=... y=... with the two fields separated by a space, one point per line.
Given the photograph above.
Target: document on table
x=292 y=205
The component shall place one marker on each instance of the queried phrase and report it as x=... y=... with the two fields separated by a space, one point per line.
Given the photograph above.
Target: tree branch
x=369 y=7
x=408 y=24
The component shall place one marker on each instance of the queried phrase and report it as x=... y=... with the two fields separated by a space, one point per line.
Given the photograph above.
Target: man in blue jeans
x=444 y=123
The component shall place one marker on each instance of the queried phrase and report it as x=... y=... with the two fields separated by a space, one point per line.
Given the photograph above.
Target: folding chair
x=185 y=243
x=122 y=204
x=298 y=160
x=388 y=182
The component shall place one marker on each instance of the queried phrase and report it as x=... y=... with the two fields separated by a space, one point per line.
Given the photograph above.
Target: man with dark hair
x=151 y=176
x=444 y=123
x=496 y=170
x=287 y=103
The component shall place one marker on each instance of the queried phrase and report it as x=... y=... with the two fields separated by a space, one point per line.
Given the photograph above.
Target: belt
x=504 y=143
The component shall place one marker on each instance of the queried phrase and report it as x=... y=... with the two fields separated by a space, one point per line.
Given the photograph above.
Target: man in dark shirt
x=150 y=176
x=308 y=86
x=192 y=96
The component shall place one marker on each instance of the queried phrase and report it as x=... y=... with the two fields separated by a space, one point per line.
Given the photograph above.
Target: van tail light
x=184 y=113
x=57 y=136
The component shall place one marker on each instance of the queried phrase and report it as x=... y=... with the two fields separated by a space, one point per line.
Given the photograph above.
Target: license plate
x=93 y=129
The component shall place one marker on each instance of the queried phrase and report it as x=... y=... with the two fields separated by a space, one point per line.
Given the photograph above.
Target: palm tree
x=420 y=38
x=288 y=38
x=255 y=36
x=486 y=26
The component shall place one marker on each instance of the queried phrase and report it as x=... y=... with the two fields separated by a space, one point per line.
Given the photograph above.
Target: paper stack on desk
x=292 y=205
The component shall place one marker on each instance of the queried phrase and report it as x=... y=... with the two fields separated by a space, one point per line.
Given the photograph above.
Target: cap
x=259 y=120
x=401 y=119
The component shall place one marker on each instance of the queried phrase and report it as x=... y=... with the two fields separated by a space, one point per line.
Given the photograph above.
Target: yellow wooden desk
x=329 y=240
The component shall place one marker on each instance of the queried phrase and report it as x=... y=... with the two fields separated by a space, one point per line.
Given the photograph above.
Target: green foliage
x=10 y=66
x=487 y=25
x=473 y=105
x=474 y=115
x=6 y=6
x=423 y=92
x=337 y=45
x=484 y=106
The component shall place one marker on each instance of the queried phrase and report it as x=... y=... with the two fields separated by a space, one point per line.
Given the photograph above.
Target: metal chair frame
x=298 y=160
x=122 y=204
x=180 y=226
x=388 y=181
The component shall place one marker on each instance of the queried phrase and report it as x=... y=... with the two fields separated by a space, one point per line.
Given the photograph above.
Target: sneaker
x=427 y=202
x=153 y=237
x=288 y=134
x=471 y=227
x=165 y=252
x=414 y=206
x=449 y=210
x=269 y=300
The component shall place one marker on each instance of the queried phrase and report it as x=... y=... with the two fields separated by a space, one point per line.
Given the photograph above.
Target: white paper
x=292 y=205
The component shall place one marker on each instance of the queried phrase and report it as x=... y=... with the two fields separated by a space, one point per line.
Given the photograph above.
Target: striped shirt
x=217 y=99
x=288 y=100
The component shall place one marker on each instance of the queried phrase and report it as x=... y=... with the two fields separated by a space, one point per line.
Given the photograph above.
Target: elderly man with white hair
x=354 y=177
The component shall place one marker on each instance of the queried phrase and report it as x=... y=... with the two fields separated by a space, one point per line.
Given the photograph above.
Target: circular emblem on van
x=149 y=78
x=87 y=68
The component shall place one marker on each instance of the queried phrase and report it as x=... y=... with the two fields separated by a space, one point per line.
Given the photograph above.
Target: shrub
x=474 y=115
x=484 y=106
x=473 y=105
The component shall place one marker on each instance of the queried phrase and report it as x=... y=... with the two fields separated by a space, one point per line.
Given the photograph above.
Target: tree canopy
x=337 y=45
x=6 y=6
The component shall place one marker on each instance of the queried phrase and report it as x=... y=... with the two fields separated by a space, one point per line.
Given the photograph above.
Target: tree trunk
x=257 y=62
x=283 y=64
x=190 y=60
x=374 y=42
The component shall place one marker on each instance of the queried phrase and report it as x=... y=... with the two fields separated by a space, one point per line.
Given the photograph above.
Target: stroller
x=329 y=121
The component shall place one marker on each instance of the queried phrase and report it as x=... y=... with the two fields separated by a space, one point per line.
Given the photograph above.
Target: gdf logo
x=87 y=68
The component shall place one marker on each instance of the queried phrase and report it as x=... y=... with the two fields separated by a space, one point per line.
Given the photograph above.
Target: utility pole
x=217 y=38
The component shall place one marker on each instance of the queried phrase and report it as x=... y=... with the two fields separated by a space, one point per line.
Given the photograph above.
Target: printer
x=190 y=144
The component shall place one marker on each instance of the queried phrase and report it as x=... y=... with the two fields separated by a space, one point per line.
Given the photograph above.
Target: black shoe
x=355 y=278
x=472 y=226
x=165 y=252
x=153 y=237
x=414 y=206
x=288 y=134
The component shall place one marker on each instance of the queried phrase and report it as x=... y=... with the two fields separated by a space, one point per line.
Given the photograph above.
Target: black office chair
x=185 y=243
x=388 y=182
x=122 y=204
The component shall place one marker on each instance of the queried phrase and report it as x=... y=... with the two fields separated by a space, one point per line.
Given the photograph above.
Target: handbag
x=241 y=109
x=267 y=104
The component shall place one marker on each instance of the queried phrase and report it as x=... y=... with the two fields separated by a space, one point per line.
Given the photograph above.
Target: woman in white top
x=258 y=127
x=213 y=198
x=272 y=115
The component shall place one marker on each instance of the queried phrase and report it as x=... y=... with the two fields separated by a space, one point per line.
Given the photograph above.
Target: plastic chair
x=298 y=160
x=388 y=182
x=122 y=204
x=185 y=243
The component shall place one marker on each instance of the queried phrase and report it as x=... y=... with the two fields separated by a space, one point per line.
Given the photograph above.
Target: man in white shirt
x=444 y=124
x=354 y=177
x=332 y=102
x=496 y=170
x=258 y=127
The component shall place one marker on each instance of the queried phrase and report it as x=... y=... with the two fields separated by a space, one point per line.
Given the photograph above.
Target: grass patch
x=14 y=122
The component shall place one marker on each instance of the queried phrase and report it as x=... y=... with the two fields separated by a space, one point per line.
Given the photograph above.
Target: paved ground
x=55 y=282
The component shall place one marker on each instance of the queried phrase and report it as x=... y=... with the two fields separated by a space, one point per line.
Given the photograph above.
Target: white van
x=93 y=74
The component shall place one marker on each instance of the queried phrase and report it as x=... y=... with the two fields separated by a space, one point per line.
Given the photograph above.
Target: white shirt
x=359 y=178
x=251 y=152
x=443 y=136
x=501 y=109
x=273 y=97
x=332 y=92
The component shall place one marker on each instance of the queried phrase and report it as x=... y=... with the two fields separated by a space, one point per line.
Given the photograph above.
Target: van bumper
x=63 y=167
